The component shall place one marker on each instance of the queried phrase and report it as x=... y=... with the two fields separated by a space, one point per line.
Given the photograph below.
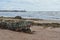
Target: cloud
x=30 y=5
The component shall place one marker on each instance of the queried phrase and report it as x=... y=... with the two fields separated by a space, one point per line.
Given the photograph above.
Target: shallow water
x=51 y=15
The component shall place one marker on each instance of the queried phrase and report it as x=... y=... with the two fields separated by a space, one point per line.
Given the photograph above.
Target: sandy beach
x=39 y=34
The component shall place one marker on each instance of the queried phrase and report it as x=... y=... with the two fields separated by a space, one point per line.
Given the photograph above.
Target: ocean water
x=48 y=15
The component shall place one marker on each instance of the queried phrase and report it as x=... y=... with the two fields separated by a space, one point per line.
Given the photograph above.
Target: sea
x=47 y=15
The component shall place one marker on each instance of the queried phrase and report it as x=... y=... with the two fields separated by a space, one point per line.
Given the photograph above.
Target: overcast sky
x=31 y=5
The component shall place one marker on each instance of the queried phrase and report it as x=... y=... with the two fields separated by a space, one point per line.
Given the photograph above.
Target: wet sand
x=39 y=34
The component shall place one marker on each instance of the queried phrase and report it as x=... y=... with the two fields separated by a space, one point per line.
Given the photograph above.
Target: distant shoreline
x=13 y=11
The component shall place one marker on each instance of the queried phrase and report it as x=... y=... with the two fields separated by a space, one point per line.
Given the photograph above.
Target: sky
x=30 y=5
